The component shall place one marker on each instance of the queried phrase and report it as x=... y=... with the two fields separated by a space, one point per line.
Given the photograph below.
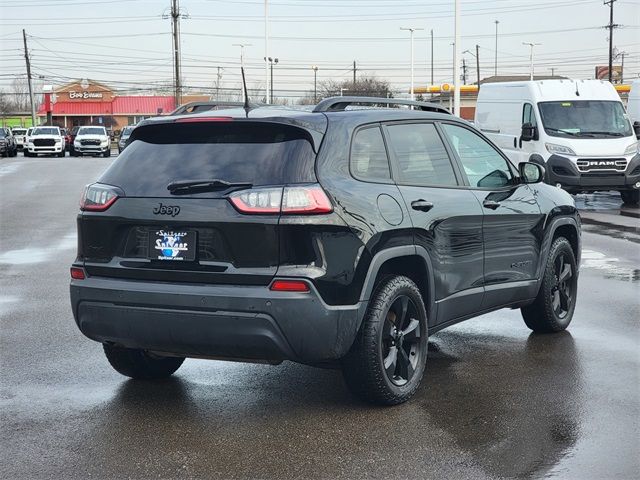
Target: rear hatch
x=194 y=233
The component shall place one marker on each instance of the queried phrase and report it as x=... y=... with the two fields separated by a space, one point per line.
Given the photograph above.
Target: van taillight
x=302 y=199
x=98 y=197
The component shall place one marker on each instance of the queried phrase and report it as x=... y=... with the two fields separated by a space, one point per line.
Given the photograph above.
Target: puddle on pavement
x=9 y=168
x=28 y=256
x=610 y=266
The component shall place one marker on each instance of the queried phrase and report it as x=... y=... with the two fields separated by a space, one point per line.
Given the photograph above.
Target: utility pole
x=478 y=64
x=464 y=71
x=26 y=58
x=531 y=45
x=432 y=56
x=495 y=67
x=175 y=27
x=611 y=26
x=622 y=69
x=354 y=76
x=219 y=77
x=315 y=83
x=411 y=30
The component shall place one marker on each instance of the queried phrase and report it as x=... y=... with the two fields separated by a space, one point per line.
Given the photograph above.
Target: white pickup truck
x=46 y=140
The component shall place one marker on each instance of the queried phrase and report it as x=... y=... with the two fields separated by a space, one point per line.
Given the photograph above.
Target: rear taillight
x=289 y=286
x=77 y=273
x=302 y=199
x=97 y=197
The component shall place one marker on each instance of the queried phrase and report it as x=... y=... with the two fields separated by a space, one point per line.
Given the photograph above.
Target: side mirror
x=636 y=129
x=531 y=172
x=529 y=132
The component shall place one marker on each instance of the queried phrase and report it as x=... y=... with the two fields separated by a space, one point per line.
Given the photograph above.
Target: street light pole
x=531 y=45
x=456 y=59
x=495 y=67
x=266 y=51
x=271 y=62
x=315 y=83
x=411 y=30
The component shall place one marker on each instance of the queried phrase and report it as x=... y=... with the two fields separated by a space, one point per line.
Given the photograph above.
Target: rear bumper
x=234 y=322
x=561 y=170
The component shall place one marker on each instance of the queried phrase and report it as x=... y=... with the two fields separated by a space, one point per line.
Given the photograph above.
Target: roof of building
x=125 y=105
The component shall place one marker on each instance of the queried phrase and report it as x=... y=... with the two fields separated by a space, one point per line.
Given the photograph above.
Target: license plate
x=172 y=245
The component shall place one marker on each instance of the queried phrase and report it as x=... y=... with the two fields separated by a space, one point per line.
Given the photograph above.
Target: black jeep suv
x=339 y=235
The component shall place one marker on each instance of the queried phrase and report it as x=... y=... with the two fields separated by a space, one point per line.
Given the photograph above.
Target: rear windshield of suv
x=259 y=153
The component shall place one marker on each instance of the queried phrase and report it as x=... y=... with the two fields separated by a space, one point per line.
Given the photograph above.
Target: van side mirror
x=529 y=132
x=531 y=172
x=636 y=129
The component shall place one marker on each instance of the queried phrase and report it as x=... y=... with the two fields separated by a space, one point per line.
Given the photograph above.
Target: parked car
x=19 y=134
x=45 y=140
x=339 y=235
x=205 y=106
x=66 y=133
x=8 y=146
x=124 y=136
x=633 y=106
x=576 y=129
x=72 y=138
x=92 y=141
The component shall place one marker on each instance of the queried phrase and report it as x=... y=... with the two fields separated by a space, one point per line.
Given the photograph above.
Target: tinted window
x=239 y=152
x=420 y=154
x=483 y=165
x=368 y=156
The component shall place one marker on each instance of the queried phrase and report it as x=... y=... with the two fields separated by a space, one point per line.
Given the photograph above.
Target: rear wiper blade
x=205 y=185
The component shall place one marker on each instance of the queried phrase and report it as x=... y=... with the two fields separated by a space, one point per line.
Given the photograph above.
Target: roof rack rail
x=207 y=105
x=335 y=104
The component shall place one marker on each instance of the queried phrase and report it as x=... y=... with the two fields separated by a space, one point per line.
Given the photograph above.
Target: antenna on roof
x=577 y=91
x=246 y=93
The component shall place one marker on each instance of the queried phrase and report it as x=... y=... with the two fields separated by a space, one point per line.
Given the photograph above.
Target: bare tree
x=364 y=86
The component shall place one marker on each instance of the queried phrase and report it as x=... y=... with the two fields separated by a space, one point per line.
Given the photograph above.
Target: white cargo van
x=577 y=129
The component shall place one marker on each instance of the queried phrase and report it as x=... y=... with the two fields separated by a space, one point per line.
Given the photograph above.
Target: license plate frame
x=172 y=245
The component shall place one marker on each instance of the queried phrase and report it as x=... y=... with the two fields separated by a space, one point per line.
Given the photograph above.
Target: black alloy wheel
x=401 y=346
x=387 y=360
x=553 y=307
x=562 y=291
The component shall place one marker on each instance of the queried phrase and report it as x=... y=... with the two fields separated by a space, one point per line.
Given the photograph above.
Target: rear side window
x=420 y=155
x=483 y=165
x=368 y=155
x=259 y=153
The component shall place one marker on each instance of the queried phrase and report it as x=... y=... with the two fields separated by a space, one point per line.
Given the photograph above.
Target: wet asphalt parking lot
x=496 y=401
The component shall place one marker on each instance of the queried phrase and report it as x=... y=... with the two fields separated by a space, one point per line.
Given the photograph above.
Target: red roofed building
x=87 y=102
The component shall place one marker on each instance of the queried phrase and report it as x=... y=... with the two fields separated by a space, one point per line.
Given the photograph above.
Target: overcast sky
x=127 y=43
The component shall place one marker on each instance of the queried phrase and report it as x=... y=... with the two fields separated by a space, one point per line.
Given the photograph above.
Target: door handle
x=421 y=205
x=492 y=204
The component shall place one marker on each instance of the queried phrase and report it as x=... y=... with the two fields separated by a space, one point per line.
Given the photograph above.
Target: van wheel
x=139 y=364
x=630 y=197
x=553 y=308
x=387 y=360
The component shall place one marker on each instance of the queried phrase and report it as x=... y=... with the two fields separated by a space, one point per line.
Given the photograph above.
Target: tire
x=553 y=308
x=107 y=153
x=138 y=364
x=630 y=197
x=61 y=154
x=377 y=341
x=26 y=153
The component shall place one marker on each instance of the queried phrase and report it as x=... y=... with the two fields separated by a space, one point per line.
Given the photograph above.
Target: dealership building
x=86 y=102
